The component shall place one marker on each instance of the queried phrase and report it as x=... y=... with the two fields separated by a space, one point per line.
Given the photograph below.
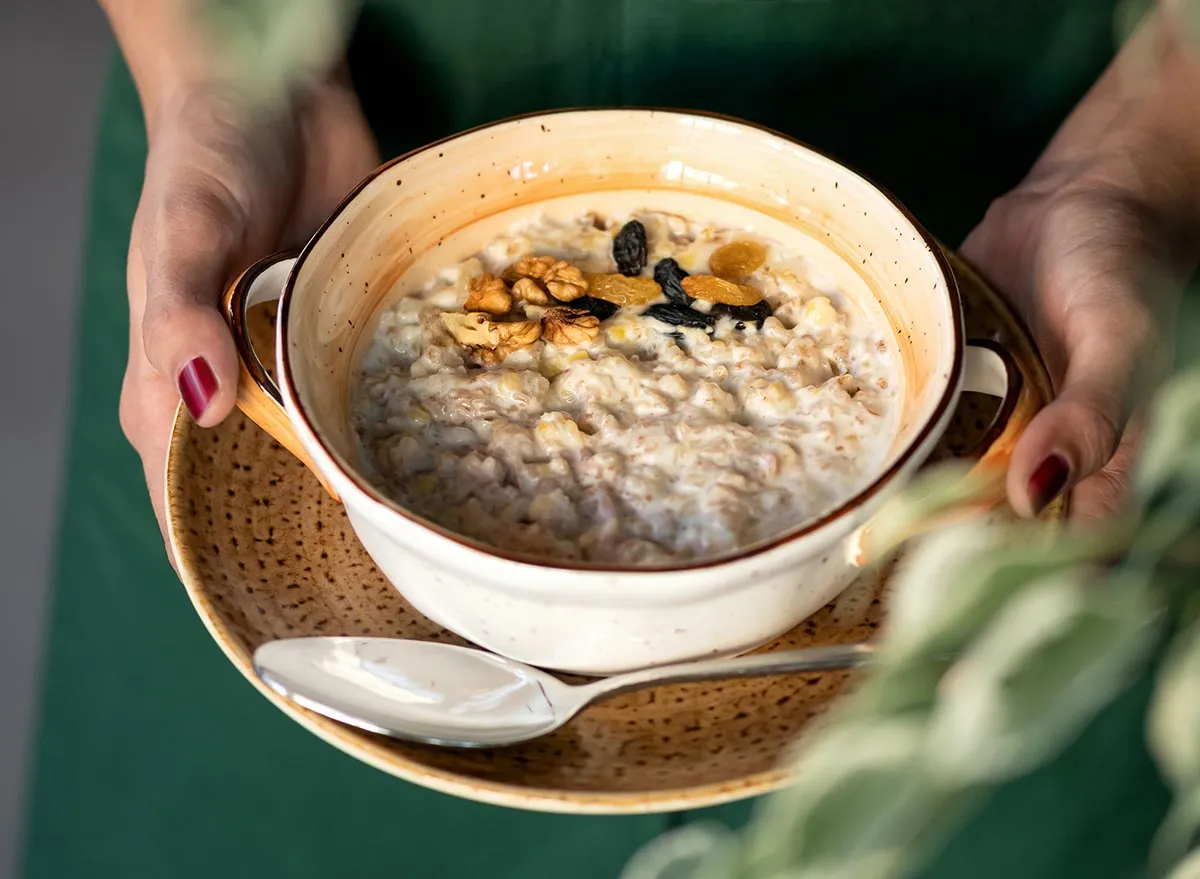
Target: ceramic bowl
x=596 y=618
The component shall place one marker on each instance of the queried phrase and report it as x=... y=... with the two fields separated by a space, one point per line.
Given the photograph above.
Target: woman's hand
x=1077 y=257
x=225 y=184
x=1093 y=247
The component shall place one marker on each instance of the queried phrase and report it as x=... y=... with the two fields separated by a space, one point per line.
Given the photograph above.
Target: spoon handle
x=759 y=664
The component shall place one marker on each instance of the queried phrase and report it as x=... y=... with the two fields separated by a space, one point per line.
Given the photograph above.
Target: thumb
x=1077 y=434
x=188 y=249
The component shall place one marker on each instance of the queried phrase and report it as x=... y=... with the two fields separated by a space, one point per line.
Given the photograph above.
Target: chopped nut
x=819 y=312
x=552 y=364
x=622 y=290
x=673 y=386
x=486 y=356
x=569 y=326
x=714 y=289
x=489 y=294
x=472 y=330
x=558 y=432
x=510 y=383
x=529 y=290
x=564 y=281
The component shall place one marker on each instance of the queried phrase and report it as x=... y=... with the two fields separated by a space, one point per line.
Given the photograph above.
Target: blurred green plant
x=1003 y=642
x=269 y=49
x=1188 y=12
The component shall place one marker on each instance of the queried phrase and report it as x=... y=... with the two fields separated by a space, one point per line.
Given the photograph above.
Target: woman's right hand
x=225 y=185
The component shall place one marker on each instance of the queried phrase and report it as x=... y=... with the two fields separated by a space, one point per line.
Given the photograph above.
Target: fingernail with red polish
x=197 y=386
x=1048 y=481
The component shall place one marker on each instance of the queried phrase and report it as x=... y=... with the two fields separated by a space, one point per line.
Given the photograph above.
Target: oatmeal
x=630 y=389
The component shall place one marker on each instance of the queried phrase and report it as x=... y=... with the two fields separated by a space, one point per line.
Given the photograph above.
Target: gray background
x=53 y=55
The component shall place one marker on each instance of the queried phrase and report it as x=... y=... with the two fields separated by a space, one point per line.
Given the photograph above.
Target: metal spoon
x=445 y=695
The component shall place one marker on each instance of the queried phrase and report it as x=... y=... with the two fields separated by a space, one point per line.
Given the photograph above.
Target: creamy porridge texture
x=632 y=389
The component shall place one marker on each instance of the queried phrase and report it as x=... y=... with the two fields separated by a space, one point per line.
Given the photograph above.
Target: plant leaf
x=1173 y=729
x=955 y=581
x=269 y=48
x=1188 y=868
x=697 y=851
x=1056 y=654
x=855 y=792
x=1170 y=453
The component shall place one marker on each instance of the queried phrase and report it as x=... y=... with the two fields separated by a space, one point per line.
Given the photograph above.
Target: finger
x=191 y=234
x=148 y=405
x=342 y=151
x=148 y=400
x=1076 y=435
x=1099 y=496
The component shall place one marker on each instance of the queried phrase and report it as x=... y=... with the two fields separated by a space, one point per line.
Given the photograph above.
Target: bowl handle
x=258 y=395
x=988 y=368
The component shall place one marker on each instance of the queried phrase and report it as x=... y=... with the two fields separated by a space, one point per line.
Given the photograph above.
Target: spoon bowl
x=441 y=694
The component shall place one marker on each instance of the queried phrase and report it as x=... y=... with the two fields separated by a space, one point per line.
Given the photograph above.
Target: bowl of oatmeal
x=606 y=389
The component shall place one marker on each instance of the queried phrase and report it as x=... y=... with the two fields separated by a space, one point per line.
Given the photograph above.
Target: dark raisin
x=669 y=276
x=680 y=316
x=629 y=249
x=600 y=308
x=744 y=314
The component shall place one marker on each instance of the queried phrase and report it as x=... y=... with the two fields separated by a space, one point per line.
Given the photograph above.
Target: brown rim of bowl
x=806 y=528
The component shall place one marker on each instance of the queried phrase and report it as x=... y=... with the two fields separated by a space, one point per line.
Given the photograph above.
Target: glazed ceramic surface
x=604 y=619
x=265 y=553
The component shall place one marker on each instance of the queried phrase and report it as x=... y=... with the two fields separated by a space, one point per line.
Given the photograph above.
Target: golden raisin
x=737 y=259
x=620 y=290
x=712 y=289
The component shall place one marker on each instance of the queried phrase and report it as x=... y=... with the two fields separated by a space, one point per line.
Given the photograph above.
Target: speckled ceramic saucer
x=264 y=553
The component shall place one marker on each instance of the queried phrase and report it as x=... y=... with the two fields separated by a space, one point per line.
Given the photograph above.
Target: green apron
x=155 y=759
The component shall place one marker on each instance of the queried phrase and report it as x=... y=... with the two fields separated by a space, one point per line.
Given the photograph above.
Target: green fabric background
x=155 y=759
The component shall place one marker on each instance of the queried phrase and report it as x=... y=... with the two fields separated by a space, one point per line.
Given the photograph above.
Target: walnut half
x=472 y=330
x=489 y=294
x=529 y=290
x=490 y=341
x=569 y=326
x=530 y=267
x=518 y=334
x=513 y=337
x=564 y=281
